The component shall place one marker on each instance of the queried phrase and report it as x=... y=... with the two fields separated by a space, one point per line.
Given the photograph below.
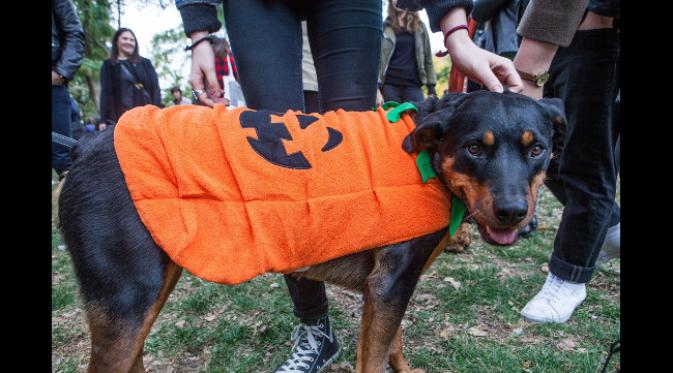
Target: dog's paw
x=461 y=240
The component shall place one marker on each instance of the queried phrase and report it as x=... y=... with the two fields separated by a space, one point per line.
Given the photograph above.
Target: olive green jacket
x=426 y=70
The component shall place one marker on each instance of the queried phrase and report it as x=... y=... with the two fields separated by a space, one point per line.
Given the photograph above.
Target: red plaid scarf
x=222 y=70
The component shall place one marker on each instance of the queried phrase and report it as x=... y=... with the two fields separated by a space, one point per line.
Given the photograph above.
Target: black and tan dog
x=491 y=150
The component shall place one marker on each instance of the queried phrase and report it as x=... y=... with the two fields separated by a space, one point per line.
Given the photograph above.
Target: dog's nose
x=511 y=211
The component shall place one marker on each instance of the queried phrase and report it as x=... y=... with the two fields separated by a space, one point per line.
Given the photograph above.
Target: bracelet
x=446 y=36
x=209 y=38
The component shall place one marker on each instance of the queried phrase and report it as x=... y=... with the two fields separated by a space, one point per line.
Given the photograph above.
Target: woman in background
x=127 y=79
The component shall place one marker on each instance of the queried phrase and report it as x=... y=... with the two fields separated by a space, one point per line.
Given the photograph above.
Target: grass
x=206 y=327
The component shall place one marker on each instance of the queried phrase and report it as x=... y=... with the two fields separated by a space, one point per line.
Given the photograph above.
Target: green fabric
x=388 y=104
x=457 y=213
x=394 y=115
x=458 y=208
x=424 y=166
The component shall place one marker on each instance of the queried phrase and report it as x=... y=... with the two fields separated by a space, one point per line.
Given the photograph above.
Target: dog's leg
x=117 y=344
x=461 y=240
x=397 y=361
x=387 y=291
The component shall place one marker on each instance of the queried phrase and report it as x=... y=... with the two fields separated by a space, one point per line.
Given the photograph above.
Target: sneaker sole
x=545 y=321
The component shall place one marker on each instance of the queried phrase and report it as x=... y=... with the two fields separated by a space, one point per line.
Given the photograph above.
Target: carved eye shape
x=474 y=149
x=535 y=151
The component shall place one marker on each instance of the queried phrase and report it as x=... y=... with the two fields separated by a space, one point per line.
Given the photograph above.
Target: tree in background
x=98 y=30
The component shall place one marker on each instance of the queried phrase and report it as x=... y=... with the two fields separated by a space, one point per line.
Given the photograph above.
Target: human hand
x=56 y=78
x=379 y=97
x=203 y=77
x=482 y=66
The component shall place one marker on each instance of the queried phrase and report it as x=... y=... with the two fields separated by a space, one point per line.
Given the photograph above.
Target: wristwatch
x=538 y=79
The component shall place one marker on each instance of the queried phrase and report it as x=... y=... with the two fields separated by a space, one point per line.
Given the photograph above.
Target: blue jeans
x=584 y=178
x=266 y=41
x=60 y=123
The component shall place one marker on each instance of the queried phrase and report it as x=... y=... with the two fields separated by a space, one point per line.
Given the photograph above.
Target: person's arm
x=73 y=39
x=199 y=18
x=104 y=100
x=546 y=25
x=484 y=10
x=481 y=66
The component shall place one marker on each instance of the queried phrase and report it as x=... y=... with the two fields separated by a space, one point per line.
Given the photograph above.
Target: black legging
x=345 y=39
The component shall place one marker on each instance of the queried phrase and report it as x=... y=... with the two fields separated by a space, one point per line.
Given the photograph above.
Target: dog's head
x=493 y=150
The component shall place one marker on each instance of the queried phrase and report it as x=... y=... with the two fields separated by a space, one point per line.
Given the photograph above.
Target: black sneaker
x=314 y=347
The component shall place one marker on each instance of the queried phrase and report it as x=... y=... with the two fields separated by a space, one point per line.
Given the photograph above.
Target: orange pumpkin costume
x=230 y=195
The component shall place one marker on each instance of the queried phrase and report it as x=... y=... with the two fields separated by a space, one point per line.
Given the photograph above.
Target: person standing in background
x=127 y=79
x=406 y=57
x=67 y=49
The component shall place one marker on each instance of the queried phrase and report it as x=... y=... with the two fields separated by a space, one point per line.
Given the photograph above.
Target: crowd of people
x=327 y=55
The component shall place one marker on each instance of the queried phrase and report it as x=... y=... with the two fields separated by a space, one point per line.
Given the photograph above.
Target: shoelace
x=304 y=346
x=550 y=290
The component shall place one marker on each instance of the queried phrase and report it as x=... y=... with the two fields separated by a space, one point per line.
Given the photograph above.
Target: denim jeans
x=266 y=41
x=401 y=94
x=584 y=177
x=60 y=123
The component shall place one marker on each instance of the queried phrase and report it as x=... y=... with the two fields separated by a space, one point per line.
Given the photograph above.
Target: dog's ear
x=432 y=122
x=555 y=111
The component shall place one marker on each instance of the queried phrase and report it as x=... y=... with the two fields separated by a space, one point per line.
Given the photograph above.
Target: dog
x=490 y=150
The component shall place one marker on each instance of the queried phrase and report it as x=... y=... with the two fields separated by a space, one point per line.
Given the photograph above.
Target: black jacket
x=118 y=92
x=67 y=39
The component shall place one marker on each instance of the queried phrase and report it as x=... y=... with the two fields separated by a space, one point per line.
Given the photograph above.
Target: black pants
x=584 y=177
x=266 y=40
x=401 y=93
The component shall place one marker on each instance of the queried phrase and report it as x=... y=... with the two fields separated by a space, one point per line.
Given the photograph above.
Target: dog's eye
x=474 y=149
x=535 y=151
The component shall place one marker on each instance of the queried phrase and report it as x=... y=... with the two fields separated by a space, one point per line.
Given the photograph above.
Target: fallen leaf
x=477 y=331
x=343 y=366
x=180 y=324
x=210 y=317
x=516 y=331
x=566 y=344
x=453 y=282
x=274 y=285
x=531 y=340
x=446 y=333
x=545 y=268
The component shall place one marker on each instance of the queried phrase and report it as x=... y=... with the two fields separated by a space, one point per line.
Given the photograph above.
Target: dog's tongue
x=502 y=236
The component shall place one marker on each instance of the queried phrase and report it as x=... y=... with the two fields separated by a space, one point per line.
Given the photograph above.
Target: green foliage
x=167 y=50
x=95 y=18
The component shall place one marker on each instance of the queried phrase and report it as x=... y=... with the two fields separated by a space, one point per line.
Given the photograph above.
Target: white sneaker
x=555 y=302
x=610 y=249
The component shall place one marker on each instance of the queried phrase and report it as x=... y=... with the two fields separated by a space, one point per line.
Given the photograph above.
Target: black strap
x=209 y=38
x=62 y=139
x=134 y=74
x=613 y=349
